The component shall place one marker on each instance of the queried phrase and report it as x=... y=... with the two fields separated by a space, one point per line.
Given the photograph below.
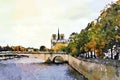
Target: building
x=30 y=49
x=58 y=39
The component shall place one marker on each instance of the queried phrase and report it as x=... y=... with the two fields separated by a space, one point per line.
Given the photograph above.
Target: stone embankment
x=96 y=69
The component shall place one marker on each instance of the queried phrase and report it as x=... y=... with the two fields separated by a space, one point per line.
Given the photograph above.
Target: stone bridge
x=47 y=56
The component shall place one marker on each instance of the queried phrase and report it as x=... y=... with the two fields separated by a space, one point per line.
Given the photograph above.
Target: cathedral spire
x=58 y=35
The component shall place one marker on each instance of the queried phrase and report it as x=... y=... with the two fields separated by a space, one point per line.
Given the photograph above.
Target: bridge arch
x=58 y=59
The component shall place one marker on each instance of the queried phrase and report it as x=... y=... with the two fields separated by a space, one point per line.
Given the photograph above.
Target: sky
x=31 y=23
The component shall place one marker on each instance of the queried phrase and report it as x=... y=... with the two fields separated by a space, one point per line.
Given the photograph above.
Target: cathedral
x=58 y=38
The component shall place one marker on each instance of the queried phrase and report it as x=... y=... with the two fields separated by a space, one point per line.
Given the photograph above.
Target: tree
x=7 y=48
x=63 y=48
x=42 y=48
x=0 y=48
x=100 y=35
x=59 y=46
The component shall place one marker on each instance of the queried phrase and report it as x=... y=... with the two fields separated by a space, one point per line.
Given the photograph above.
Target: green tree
x=42 y=48
x=100 y=35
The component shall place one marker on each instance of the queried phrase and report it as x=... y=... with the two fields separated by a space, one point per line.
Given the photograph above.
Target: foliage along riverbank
x=100 y=35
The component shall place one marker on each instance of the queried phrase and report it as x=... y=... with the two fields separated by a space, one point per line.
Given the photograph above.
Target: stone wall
x=46 y=56
x=95 y=71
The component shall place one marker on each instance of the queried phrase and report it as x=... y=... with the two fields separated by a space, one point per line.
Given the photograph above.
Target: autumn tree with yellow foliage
x=59 y=46
x=99 y=35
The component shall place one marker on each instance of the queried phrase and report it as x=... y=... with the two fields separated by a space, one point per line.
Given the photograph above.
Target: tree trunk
x=111 y=54
x=94 y=54
x=88 y=55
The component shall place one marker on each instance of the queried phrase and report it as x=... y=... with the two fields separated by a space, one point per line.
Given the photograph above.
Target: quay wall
x=95 y=71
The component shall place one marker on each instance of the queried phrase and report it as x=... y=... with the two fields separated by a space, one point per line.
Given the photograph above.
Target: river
x=33 y=69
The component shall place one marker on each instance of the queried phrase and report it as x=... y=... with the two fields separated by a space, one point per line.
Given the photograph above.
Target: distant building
x=58 y=38
x=30 y=49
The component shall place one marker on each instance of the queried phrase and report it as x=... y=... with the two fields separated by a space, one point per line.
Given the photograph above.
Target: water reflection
x=32 y=69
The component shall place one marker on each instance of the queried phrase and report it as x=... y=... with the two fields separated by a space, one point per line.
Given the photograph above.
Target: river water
x=34 y=69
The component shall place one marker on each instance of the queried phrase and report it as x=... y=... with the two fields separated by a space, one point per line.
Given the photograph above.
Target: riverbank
x=6 y=57
x=94 y=70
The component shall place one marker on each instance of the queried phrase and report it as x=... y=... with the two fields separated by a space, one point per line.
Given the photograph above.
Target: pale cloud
x=32 y=22
x=25 y=9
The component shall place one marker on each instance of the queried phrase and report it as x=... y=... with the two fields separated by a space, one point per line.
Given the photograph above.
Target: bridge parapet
x=43 y=55
x=46 y=56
